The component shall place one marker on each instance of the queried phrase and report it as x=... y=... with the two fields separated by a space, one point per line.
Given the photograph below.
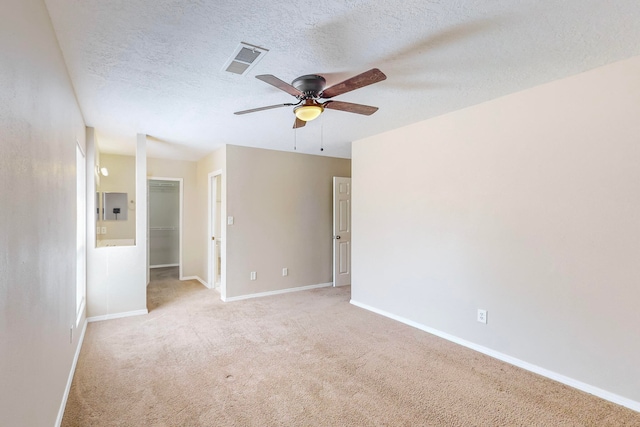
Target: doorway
x=165 y=196
x=215 y=237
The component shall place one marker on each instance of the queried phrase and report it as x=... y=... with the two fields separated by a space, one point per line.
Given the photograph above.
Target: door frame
x=180 y=219
x=212 y=176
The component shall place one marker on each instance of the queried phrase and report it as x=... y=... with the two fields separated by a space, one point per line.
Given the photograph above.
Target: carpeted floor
x=301 y=359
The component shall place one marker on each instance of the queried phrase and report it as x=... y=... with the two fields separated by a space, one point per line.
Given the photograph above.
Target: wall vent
x=244 y=58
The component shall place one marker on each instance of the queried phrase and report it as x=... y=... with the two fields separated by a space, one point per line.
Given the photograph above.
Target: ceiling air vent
x=244 y=58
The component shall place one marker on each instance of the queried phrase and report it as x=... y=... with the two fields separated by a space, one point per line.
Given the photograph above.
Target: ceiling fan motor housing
x=310 y=85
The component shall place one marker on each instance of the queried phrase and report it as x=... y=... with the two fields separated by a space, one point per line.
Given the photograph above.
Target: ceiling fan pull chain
x=322 y=133
x=295 y=139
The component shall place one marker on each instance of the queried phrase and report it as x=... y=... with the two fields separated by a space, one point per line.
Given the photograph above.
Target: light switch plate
x=230 y=220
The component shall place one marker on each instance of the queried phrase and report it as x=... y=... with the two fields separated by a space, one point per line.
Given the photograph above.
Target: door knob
x=338 y=237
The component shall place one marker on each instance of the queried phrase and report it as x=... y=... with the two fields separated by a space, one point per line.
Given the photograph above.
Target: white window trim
x=81 y=232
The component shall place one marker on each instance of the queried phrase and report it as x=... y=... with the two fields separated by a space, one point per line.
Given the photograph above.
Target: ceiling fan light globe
x=308 y=112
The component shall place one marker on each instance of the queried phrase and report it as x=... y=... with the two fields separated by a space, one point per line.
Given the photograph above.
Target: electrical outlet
x=482 y=316
x=104 y=230
x=253 y=276
x=285 y=271
x=98 y=230
x=230 y=220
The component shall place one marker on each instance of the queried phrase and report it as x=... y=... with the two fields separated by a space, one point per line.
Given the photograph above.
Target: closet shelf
x=163 y=228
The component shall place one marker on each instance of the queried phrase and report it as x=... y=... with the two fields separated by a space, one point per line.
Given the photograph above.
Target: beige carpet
x=301 y=359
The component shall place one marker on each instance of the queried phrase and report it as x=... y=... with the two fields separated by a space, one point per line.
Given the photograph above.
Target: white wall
x=282 y=208
x=117 y=276
x=526 y=206
x=40 y=122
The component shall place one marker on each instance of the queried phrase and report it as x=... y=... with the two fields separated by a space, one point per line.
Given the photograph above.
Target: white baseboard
x=604 y=394
x=67 y=389
x=117 y=315
x=164 y=265
x=280 y=291
x=196 y=278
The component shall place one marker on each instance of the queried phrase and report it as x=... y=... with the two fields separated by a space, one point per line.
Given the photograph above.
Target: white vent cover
x=244 y=58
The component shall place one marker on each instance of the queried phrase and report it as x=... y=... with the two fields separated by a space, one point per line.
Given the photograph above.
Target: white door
x=341 y=231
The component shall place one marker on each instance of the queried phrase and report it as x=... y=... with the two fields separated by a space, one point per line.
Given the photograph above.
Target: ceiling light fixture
x=309 y=110
x=102 y=170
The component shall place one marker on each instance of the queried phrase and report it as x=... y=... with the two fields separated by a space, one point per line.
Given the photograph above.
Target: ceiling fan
x=310 y=92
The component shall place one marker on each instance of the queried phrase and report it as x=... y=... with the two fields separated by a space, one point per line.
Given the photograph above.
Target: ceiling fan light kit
x=310 y=90
x=308 y=111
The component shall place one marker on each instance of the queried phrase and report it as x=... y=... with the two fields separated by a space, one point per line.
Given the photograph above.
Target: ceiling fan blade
x=282 y=85
x=350 y=107
x=253 y=110
x=356 y=82
x=298 y=123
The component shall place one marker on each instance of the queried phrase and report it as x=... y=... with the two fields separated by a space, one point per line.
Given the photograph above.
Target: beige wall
x=213 y=162
x=186 y=170
x=282 y=208
x=39 y=124
x=121 y=179
x=526 y=206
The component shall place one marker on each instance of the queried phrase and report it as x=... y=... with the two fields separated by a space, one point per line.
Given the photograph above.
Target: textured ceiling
x=155 y=66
